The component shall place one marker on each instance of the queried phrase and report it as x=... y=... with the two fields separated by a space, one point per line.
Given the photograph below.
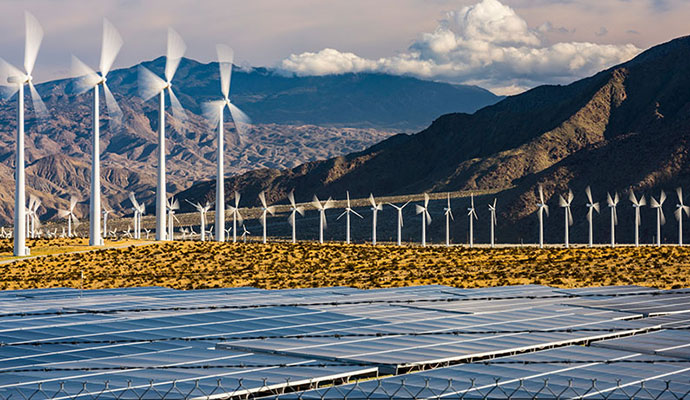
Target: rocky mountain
x=296 y=119
x=625 y=127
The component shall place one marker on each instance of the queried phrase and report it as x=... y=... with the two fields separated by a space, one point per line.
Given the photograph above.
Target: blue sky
x=506 y=45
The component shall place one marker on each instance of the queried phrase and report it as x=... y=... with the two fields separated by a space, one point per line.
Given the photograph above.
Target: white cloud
x=487 y=44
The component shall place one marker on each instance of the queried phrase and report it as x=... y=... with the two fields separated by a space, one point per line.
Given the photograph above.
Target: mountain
x=296 y=119
x=625 y=127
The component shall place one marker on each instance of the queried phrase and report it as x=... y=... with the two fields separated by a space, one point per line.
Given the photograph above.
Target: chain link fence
x=355 y=390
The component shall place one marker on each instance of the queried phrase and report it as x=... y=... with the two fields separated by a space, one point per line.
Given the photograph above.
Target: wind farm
x=291 y=220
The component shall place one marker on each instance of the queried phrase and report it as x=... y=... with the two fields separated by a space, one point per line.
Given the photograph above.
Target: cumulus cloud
x=487 y=44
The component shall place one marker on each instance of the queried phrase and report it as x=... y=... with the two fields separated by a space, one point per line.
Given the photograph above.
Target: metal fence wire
x=390 y=388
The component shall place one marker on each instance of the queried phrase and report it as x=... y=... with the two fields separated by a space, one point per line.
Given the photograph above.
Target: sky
x=506 y=46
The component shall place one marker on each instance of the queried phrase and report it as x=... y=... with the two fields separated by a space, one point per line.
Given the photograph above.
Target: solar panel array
x=265 y=340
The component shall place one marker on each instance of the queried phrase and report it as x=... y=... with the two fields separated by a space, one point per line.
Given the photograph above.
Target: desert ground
x=195 y=265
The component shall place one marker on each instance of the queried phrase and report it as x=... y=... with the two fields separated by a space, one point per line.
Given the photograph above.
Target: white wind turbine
x=660 y=218
x=139 y=210
x=613 y=203
x=492 y=210
x=292 y=219
x=542 y=208
x=214 y=112
x=245 y=232
x=591 y=207
x=449 y=216
x=400 y=220
x=151 y=85
x=32 y=212
x=565 y=202
x=375 y=208
x=265 y=209
x=172 y=206
x=69 y=215
x=346 y=213
x=202 y=210
x=426 y=217
x=636 y=205
x=472 y=215
x=88 y=79
x=680 y=209
x=13 y=81
x=236 y=216
x=322 y=207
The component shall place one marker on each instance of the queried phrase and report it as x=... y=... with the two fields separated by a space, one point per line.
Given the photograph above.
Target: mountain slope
x=624 y=127
x=296 y=120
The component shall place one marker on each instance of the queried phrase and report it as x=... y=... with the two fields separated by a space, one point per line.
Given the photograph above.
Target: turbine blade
x=400 y=219
x=241 y=120
x=561 y=201
x=632 y=198
x=114 y=110
x=642 y=201
x=570 y=216
x=418 y=209
x=339 y=216
x=428 y=217
x=150 y=84
x=240 y=218
x=615 y=216
x=212 y=111
x=355 y=212
x=616 y=199
x=571 y=196
x=679 y=192
x=135 y=203
x=348 y=198
x=86 y=77
x=72 y=203
x=271 y=210
x=588 y=192
x=262 y=197
x=371 y=200
x=323 y=218
x=291 y=197
x=678 y=213
x=110 y=46
x=546 y=210
x=316 y=203
x=662 y=198
x=654 y=203
x=7 y=71
x=541 y=194
x=175 y=51
x=663 y=217
x=225 y=59
x=237 y=199
x=39 y=107
x=329 y=204
x=426 y=200
x=62 y=213
x=596 y=206
x=178 y=112
x=34 y=36
x=300 y=210
x=609 y=200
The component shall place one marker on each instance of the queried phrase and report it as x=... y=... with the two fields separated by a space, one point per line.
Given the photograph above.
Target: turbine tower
x=69 y=214
x=322 y=207
x=613 y=203
x=265 y=209
x=292 y=219
x=14 y=79
x=426 y=217
x=172 y=205
x=236 y=216
x=346 y=213
x=151 y=85
x=565 y=203
x=680 y=209
x=636 y=205
x=660 y=218
x=400 y=220
x=591 y=207
x=449 y=216
x=472 y=215
x=214 y=112
x=492 y=210
x=375 y=208
x=88 y=79
x=542 y=208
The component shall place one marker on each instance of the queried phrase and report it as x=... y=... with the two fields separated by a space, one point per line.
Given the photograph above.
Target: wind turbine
x=449 y=216
x=292 y=218
x=236 y=216
x=265 y=209
x=472 y=215
x=151 y=85
x=636 y=205
x=172 y=205
x=214 y=112
x=613 y=203
x=245 y=232
x=591 y=207
x=105 y=212
x=34 y=204
x=400 y=220
x=16 y=80
x=660 y=218
x=202 y=210
x=680 y=209
x=426 y=217
x=492 y=210
x=375 y=208
x=69 y=214
x=346 y=213
x=565 y=202
x=139 y=210
x=542 y=208
x=88 y=79
x=322 y=207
